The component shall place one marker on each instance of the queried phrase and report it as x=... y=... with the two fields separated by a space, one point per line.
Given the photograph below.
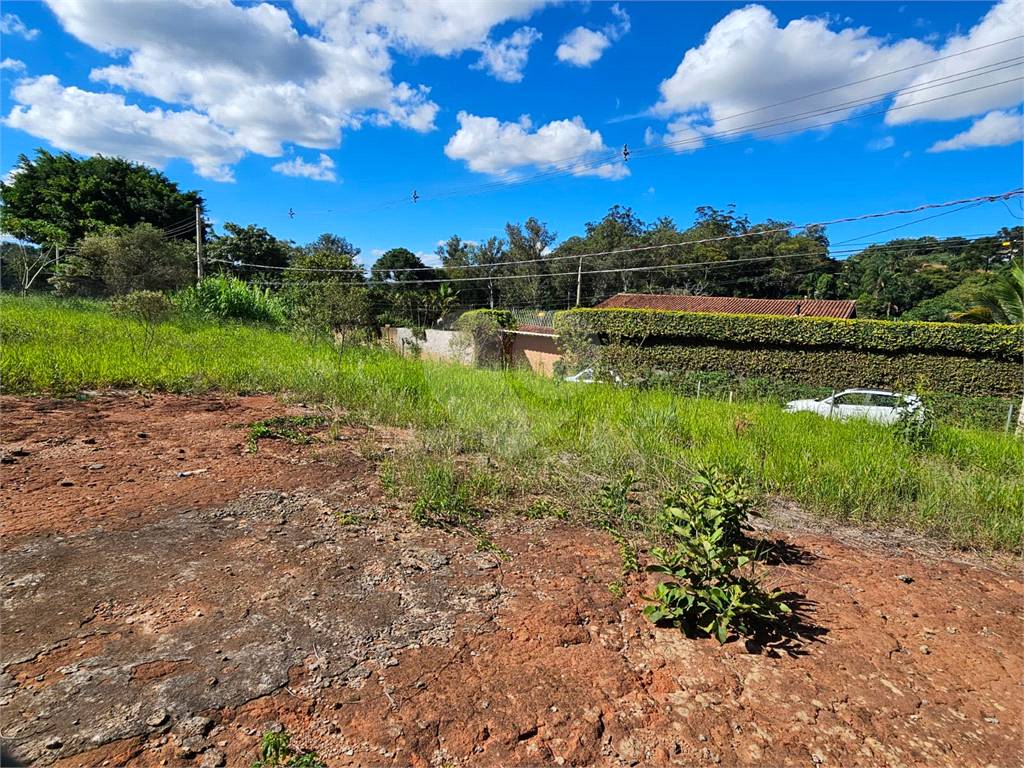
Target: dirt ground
x=156 y=619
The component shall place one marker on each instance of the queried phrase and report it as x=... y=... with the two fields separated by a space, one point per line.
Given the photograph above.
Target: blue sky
x=338 y=111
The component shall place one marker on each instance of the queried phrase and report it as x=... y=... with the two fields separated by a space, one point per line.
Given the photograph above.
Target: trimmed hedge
x=944 y=357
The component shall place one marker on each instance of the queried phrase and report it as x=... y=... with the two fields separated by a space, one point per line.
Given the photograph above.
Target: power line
x=931 y=206
x=562 y=169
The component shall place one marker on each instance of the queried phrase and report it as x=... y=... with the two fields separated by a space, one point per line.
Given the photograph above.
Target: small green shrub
x=714 y=501
x=614 y=503
x=707 y=590
x=446 y=501
x=276 y=753
x=147 y=309
x=283 y=428
x=544 y=508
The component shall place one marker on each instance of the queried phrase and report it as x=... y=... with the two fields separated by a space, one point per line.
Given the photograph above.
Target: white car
x=588 y=376
x=878 y=405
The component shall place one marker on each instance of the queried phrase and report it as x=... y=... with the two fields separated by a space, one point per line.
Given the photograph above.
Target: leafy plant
x=613 y=501
x=707 y=591
x=544 y=508
x=147 y=309
x=283 y=428
x=714 y=501
x=276 y=753
x=223 y=297
x=916 y=424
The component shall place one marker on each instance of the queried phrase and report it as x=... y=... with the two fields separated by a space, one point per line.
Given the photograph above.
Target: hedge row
x=987 y=341
x=967 y=360
x=838 y=369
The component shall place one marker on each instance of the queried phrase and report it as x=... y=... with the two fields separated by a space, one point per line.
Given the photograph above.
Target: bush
x=707 y=590
x=227 y=298
x=970 y=360
x=118 y=262
x=148 y=309
x=483 y=328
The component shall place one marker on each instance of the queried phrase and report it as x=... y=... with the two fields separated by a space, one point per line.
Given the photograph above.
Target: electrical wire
x=931 y=206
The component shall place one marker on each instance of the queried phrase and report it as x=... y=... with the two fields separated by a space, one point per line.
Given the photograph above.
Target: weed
x=283 y=428
x=388 y=477
x=544 y=508
x=617 y=588
x=484 y=543
x=275 y=753
x=715 y=501
x=613 y=501
x=445 y=502
x=344 y=518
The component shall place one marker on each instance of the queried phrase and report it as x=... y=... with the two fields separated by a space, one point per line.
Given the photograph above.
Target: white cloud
x=12 y=64
x=12 y=25
x=996 y=129
x=883 y=142
x=750 y=72
x=581 y=47
x=506 y=59
x=747 y=63
x=651 y=136
x=940 y=102
x=249 y=77
x=87 y=123
x=323 y=170
x=493 y=147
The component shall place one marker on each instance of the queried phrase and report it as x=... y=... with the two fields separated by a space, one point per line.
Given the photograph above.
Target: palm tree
x=1003 y=303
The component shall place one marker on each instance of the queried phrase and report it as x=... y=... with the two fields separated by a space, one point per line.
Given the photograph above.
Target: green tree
x=118 y=262
x=243 y=250
x=325 y=291
x=59 y=199
x=1002 y=303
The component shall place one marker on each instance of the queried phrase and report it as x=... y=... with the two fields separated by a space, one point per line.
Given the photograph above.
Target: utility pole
x=199 y=245
x=579 y=281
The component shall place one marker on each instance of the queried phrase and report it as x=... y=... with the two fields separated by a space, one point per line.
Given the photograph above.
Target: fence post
x=1009 y=416
x=698 y=389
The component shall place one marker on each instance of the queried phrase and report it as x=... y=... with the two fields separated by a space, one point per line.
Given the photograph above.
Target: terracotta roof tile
x=732 y=306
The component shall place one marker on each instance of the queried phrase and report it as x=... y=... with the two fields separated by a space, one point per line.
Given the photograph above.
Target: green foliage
x=545 y=508
x=287 y=428
x=970 y=360
x=227 y=298
x=715 y=500
x=707 y=590
x=147 y=309
x=59 y=199
x=275 y=752
x=483 y=329
x=241 y=247
x=446 y=500
x=1002 y=303
x=543 y=437
x=614 y=503
x=121 y=261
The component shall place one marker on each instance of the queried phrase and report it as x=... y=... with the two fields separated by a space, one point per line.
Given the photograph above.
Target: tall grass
x=223 y=297
x=538 y=436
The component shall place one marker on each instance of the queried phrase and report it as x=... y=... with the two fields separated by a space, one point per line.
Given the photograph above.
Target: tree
x=400 y=265
x=325 y=290
x=243 y=250
x=59 y=199
x=23 y=264
x=1002 y=303
x=122 y=261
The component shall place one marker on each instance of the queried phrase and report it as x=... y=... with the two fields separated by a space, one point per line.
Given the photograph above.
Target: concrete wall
x=438 y=345
x=539 y=352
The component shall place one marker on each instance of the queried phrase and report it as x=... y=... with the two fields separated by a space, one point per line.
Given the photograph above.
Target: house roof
x=733 y=306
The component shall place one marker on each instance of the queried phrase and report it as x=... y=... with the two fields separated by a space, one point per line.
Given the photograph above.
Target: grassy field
x=512 y=437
